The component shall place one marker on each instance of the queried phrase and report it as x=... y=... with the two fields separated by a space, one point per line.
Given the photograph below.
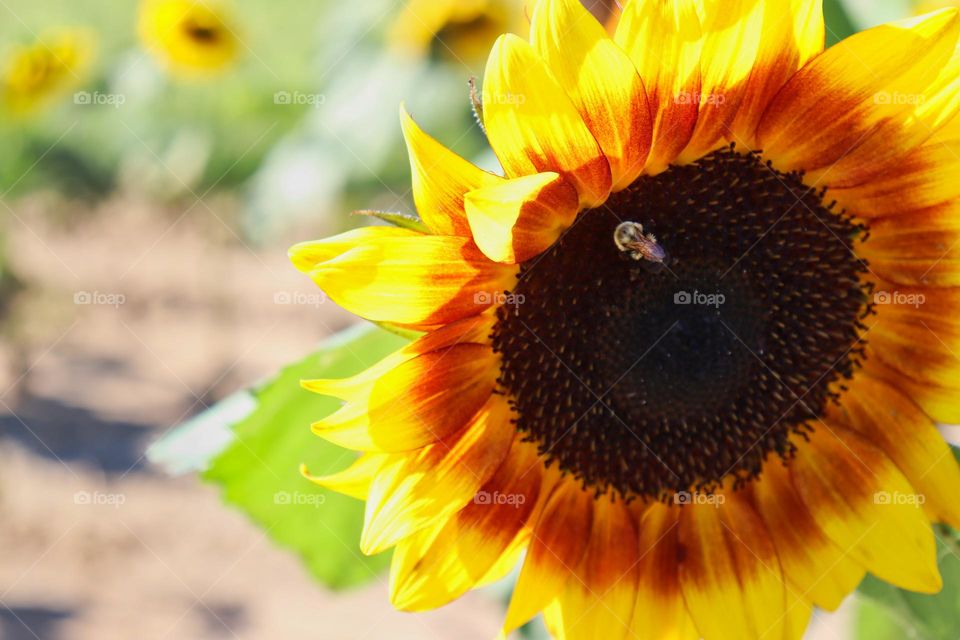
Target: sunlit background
x=156 y=160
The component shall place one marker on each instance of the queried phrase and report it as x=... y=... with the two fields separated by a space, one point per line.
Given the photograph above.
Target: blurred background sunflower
x=157 y=158
x=189 y=36
x=42 y=71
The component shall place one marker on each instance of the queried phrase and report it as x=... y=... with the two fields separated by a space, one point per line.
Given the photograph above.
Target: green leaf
x=396 y=219
x=407 y=334
x=888 y=613
x=259 y=472
x=194 y=444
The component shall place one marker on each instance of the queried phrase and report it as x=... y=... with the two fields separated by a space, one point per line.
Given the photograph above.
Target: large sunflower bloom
x=705 y=432
x=189 y=37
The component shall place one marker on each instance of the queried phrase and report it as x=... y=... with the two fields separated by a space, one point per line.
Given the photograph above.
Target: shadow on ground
x=61 y=432
x=30 y=623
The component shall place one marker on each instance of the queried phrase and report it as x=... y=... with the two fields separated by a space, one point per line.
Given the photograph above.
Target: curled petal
x=520 y=218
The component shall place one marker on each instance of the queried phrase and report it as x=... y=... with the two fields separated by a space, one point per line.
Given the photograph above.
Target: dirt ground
x=97 y=544
x=134 y=319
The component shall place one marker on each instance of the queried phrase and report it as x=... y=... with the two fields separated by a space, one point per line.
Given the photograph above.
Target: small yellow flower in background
x=189 y=37
x=458 y=29
x=39 y=73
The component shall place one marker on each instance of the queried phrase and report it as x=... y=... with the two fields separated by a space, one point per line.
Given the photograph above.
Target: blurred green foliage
x=303 y=126
x=838 y=22
x=79 y=147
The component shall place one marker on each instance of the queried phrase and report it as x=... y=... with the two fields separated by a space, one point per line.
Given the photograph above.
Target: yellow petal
x=891 y=421
x=534 y=127
x=473 y=330
x=730 y=574
x=820 y=571
x=354 y=481
x=838 y=99
x=489 y=531
x=660 y=612
x=940 y=402
x=732 y=37
x=421 y=401
x=865 y=505
x=440 y=180
x=881 y=152
x=558 y=543
x=936 y=307
x=924 y=178
x=409 y=553
x=798 y=615
x=600 y=79
x=553 y=621
x=598 y=601
x=306 y=255
x=520 y=218
x=916 y=350
x=406 y=278
x=792 y=34
x=923 y=271
x=914 y=343
x=914 y=251
x=951 y=129
x=419 y=489
x=663 y=40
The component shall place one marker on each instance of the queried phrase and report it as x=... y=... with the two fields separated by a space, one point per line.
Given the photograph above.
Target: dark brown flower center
x=649 y=378
x=202 y=33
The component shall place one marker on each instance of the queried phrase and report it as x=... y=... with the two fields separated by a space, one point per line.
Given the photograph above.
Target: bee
x=630 y=239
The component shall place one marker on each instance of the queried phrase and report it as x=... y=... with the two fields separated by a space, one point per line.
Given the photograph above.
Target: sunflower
x=189 y=37
x=39 y=73
x=462 y=30
x=688 y=353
